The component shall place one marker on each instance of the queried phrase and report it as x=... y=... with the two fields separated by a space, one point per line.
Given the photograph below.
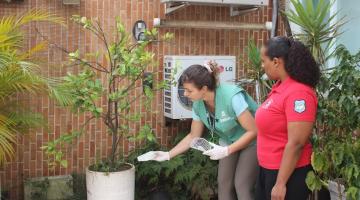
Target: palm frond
x=5 y=121
x=318 y=28
x=10 y=34
x=25 y=119
x=59 y=91
x=37 y=16
x=16 y=81
x=20 y=74
x=5 y=59
x=7 y=139
x=33 y=50
x=254 y=55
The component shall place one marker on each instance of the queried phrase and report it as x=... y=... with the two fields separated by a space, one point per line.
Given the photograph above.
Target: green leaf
x=58 y=156
x=337 y=155
x=313 y=182
x=318 y=161
x=74 y=55
x=353 y=193
x=64 y=163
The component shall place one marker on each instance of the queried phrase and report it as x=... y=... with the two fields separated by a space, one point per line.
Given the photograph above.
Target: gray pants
x=237 y=175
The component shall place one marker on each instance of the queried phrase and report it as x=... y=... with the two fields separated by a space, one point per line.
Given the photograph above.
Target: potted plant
x=336 y=156
x=117 y=75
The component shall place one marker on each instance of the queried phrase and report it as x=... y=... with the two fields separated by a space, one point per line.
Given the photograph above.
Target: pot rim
x=132 y=167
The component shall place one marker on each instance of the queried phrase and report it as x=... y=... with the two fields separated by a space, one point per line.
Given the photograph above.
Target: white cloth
x=154 y=155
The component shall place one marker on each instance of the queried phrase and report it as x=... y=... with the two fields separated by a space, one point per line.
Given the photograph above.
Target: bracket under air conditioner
x=235 y=10
x=171 y=7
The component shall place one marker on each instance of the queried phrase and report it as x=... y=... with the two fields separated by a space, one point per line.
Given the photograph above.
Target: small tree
x=124 y=72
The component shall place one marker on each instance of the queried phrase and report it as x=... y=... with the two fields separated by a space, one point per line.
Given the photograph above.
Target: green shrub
x=187 y=176
x=336 y=154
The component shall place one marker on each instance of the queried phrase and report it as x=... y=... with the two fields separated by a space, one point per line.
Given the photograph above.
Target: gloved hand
x=162 y=156
x=155 y=155
x=217 y=153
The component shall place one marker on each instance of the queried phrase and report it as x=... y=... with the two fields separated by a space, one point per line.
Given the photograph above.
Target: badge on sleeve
x=299 y=106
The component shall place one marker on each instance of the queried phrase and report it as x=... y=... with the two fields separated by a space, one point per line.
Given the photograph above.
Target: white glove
x=217 y=153
x=154 y=155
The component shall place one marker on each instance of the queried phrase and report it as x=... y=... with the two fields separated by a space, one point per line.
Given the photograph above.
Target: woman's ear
x=276 y=62
x=280 y=62
x=204 y=88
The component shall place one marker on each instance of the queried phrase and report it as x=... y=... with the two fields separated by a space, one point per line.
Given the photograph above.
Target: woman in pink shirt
x=285 y=120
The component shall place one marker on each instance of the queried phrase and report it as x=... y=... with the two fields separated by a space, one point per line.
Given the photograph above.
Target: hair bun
x=208 y=67
x=211 y=65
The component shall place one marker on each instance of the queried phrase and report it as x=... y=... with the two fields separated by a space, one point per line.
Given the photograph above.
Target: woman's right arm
x=197 y=128
x=196 y=131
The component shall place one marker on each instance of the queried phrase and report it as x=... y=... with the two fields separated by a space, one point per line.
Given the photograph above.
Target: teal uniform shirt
x=226 y=124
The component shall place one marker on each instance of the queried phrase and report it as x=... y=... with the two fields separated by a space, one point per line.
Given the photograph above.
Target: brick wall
x=30 y=161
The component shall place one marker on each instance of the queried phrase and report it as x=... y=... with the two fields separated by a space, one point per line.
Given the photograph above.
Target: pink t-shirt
x=288 y=101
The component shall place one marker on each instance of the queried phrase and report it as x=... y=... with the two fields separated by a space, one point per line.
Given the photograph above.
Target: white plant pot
x=335 y=190
x=111 y=186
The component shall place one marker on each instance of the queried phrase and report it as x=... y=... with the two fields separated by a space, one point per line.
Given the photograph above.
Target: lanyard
x=211 y=119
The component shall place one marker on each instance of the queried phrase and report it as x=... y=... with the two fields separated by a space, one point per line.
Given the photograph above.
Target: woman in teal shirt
x=228 y=111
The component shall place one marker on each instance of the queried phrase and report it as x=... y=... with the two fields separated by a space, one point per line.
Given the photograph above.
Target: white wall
x=351 y=37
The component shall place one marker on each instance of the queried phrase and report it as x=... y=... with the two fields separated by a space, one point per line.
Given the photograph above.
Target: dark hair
x=299 y=62
x=200 y=76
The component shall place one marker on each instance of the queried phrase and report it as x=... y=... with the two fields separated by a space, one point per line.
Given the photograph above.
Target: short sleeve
x=239 y=104
x=195 y=116
x=301 y=106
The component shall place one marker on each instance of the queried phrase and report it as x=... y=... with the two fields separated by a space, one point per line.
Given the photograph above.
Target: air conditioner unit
x=176 y=105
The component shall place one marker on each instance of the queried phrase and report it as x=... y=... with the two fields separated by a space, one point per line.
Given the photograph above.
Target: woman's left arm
x=298 y=136
x=247 y=121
